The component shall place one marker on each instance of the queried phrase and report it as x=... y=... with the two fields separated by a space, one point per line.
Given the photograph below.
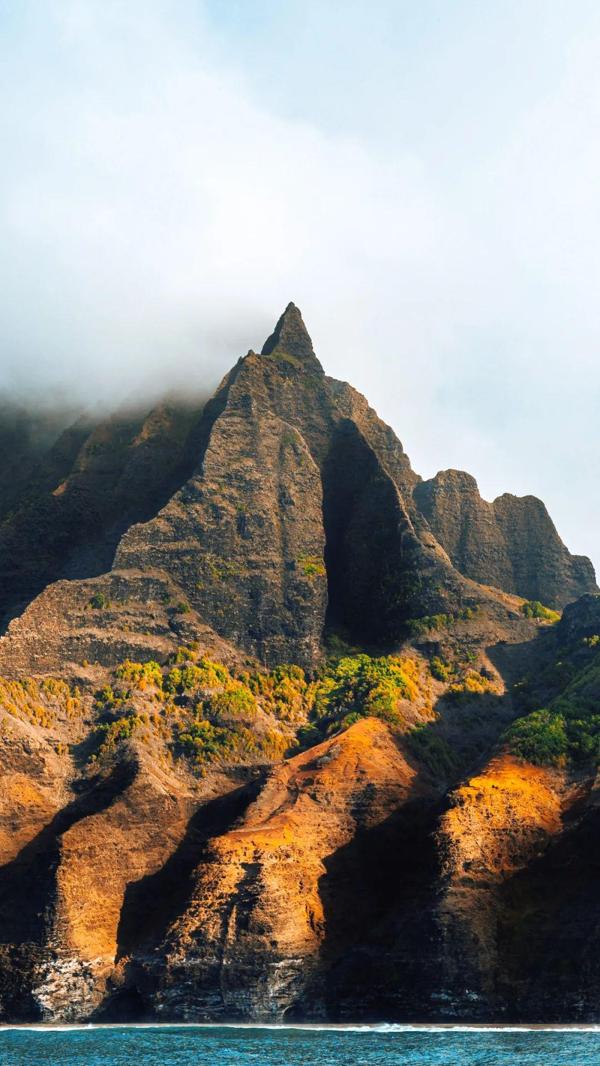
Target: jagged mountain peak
x=291 y=337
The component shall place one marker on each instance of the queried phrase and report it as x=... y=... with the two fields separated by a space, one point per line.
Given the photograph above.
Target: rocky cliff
x=66 y=498
x=284 y=730
x=511 y=543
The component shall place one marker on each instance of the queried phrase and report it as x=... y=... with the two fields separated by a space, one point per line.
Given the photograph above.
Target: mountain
x=285 y=731
x=510 y=543
x=65 y=504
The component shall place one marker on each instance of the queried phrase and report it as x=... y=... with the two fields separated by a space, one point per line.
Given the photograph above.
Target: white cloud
x=156 y=215
x=150 y=207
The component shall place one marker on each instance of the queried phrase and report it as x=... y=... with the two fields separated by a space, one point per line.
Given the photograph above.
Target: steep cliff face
x=290 y=482
x=250 y=939
x=272 y=747
x=28 y=445
x=510 y=543
x=498 y=822
x=297 y=514
x=66 y=506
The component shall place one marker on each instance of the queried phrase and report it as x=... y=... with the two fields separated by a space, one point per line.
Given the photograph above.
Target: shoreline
x=380 y=1028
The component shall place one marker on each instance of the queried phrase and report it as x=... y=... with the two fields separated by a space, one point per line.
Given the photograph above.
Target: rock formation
x=510 y=543
x=281 y=735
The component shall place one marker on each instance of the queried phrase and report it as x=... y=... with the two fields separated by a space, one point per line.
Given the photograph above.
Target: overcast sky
x=421 y=178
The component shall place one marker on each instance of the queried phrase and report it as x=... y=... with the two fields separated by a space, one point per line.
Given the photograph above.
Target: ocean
x=381 y=1045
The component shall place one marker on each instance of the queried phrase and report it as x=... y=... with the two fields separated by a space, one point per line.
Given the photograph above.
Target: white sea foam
x=376 y=1027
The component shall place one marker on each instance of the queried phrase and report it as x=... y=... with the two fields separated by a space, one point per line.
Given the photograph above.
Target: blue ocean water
x=256 y=1046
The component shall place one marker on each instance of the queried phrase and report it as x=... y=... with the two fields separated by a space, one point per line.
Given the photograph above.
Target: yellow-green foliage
x=283 y=692
x=440 y=669
x=360 y=686
x=235 y=701
x=311 y=565
x=111 y=735
x=472 y=683
x=535 y=609
x=40 y=702
x=209 y=743
x=205 y=712
x=193 y=677
x=201 y=709
x=419 y=626
x=140 y=676
x=186 y=653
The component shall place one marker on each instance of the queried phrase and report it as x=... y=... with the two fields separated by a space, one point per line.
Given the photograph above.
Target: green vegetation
x=566 y=730
x=204 y=741
x=140 y=675
x=540 y=738
x=431 y=750
x=283 y=692
x=418 y=626
x=40 y=702
x=200 y=710
x=99 y=601
x=360 y=687
x=472 y=683
x=311 y=565
x=440 y=669
x=535 y=609
x=205 y=713
x=109 y=735
x=461 y=677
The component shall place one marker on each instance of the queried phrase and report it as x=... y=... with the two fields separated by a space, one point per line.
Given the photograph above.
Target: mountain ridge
x=294 y=730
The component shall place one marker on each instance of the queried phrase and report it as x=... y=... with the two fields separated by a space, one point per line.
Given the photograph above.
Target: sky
x=421 y=179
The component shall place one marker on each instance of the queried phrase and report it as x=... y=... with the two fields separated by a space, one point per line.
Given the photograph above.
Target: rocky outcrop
x=580 y=620
x=77 y=628
x=510 y=543
x=249 y=942
x=498 y=823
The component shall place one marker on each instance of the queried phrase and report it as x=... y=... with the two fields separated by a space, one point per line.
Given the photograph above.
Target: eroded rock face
x=64 y=515
x=498 y=822
x=254 y=937
x=63 y=633
x=377 y=874
x=298 y=513
x=580 y=620
x=510 y=543
x=244 y=537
